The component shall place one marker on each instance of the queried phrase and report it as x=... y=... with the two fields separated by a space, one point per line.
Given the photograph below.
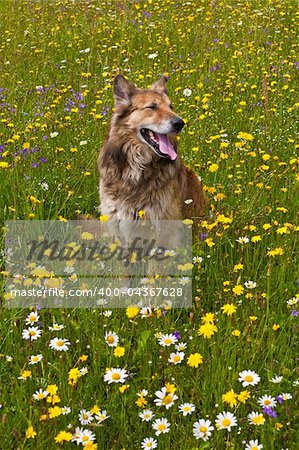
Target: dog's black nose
x=177 y=124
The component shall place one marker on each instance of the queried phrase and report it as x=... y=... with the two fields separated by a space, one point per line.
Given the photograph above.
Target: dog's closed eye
x=153 y=106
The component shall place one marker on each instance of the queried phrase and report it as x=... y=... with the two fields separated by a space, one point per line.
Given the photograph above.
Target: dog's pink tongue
x=166 y=147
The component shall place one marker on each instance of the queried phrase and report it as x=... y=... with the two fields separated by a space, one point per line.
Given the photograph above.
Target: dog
x=141 y=174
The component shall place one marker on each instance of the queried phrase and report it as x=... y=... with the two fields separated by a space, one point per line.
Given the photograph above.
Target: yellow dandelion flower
x=63 y=436
x=30 y=433
x=230 y=398
x=54 y=411
x=194 y=360
x=123 y=388
x=213 y=168
x=207 y=330
x=275 y=252
x=87 y=236
x=132 y=311
x=170 y=388
x=243 y=396
x=229 y=309
x=141 y=402
x=245 y=136
x=208 y=318
x=238 y=290
x=52 y=389
x=236 y=333
x=119 y=351
x=209 y=242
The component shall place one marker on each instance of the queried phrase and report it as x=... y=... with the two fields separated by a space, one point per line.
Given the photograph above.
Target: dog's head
x=148 y=114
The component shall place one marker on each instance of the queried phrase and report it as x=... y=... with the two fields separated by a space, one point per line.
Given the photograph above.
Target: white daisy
x=59 y=344
x=197 y=259
x=56 y=327
x=165 y=398
x=161 y=426
x=142 y=393
x=84 y=371
x=34 y=359
x=83 y=436
x=146 y=311
x=167 y=339
x=147 y=415
x=85 y=417
x=226 y=420
x=253 y=445
x=292 y=301
x=180 y=346
x=256 y=418
x=111 y=339
x=267 y=400
x=187 y=92
x=176 y=358
x=186 y=408
x=242 y=240
x=101 y=416
x=248 y=378
x=115 y=375
x=250 y=284
x=202 y=429
x=32 y=318
x=31 y=333
x=286 y=396
x=65 y=410
x=40 y=395
x=276 y=379
x=149 y=443
x=152 y=55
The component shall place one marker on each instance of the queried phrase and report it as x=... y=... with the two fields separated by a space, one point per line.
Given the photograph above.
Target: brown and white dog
x=138 y=163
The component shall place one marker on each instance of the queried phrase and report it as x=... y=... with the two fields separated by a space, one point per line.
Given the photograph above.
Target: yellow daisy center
x=167 y=400
x=267 y=402
x=85 y=438
x=176 y=358
x=226 y=422
x=59 y=343
x=32 y=333
x=203 y=429
x=115 y=376
x=248 y=378
x=85 y=416
x=110 y=339
x=254 y=448
x=161 y=427
x=168 y=341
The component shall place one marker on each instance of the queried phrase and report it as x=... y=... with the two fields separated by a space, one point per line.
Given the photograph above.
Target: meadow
x=224 y=373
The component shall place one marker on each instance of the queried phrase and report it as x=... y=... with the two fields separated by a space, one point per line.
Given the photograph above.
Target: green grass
x=239 y=60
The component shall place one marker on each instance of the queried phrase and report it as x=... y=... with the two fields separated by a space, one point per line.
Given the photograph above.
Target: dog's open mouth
x=160 y=143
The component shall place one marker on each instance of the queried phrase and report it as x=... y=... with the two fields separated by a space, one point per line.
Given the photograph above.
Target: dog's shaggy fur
x=138 y=164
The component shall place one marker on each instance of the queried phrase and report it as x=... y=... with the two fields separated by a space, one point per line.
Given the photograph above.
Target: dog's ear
x=160 y=85
x=123 y=90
